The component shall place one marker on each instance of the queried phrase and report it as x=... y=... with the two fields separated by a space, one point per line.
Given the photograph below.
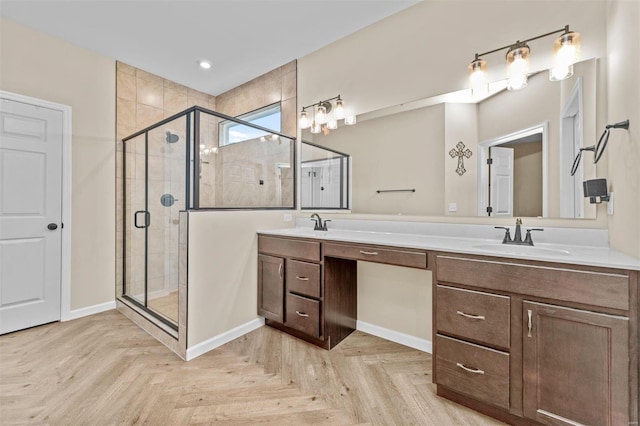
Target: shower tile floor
x=166 y=305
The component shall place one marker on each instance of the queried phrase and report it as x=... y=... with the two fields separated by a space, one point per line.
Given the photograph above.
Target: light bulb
x=305 y=123
x=321 y=115
x=478 y=77
x=274 y=137
x=201 y=146
x=350 y=120
x=332 y=124
x=315 y=127
x=204 y=64
x=517 y=66
x=338 y=111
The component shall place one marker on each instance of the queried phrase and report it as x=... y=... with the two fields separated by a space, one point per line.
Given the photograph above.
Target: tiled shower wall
x=232 y=177
x=142 y=100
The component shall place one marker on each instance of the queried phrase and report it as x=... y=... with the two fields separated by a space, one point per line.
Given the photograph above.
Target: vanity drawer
x=303 y=278
x=412 y=259
x=303 y=314
x=473 y=370
x=297 y=249
x=605 y=289
x=478 y=316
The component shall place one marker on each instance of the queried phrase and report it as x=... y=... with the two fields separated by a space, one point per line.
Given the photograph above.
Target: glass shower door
x=136 y=219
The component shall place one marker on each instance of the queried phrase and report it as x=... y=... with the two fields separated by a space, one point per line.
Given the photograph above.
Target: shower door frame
x=125 y=283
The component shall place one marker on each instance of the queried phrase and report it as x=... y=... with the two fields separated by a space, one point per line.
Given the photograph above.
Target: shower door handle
x=147 y=219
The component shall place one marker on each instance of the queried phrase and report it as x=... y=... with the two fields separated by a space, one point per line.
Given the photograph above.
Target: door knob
x=52 y=227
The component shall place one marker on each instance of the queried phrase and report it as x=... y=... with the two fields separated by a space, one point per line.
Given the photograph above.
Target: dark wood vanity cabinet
x=533 y=342
x=575 y=366
x=294 y=296
x=271 y=287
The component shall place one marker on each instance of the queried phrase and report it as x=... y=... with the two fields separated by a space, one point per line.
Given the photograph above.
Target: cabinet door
x=575 y=366
x=271 y=287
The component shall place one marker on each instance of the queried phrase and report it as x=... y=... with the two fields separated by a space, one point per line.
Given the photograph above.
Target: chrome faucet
x=319 y=226
x=517 y=238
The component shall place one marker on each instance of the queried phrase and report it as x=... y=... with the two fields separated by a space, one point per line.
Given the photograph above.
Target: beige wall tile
x=149 y=92
x=174 y=100
x=273 y=86
x=289 y=117
x=168 y=84
x=290 y=67
x=127 y=69
x=147 y=115
x=126 y=112
x=149 y=77
x=289 y=85
x=125 y=86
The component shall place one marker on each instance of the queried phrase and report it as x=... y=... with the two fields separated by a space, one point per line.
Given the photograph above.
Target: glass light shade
x=332 y=124
x=478 y=76
x=560 y=72
x=517 y=66
x=350 y=120
x=304 y=122
x=321 y=115
x=274 y=137
x=566 y=48
x=338 y=110
x=316 y=127
x=566 y=51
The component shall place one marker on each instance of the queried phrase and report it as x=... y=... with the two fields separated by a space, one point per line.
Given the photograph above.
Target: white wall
x=37 y=65
x=623 y=22
x=223 y=269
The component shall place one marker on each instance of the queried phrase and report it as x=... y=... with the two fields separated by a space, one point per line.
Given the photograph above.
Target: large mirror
x=508 y=153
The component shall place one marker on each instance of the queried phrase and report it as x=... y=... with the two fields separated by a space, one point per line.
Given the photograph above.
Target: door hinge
x=489 y=160
x=61 y=225
x=489 y=209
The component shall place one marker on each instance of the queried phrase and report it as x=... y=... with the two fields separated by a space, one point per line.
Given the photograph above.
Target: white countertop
x=578 y=254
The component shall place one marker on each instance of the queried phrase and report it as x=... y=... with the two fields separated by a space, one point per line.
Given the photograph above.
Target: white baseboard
x=395 y=336
x=89 y=310
x=221 y=339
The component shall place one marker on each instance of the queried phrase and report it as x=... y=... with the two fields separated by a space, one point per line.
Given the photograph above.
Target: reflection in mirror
x=510 y=174
x=324 y=180
x=408 y=145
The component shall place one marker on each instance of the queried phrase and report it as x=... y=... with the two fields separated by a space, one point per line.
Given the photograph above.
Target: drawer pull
x=476 y=317
x=470 y=370
x=371 y=253
x=529 y=325
x=302 y=278
x=280 y=270
x=301 y=314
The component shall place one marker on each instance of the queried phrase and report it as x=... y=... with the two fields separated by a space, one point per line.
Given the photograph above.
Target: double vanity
x=545 y=333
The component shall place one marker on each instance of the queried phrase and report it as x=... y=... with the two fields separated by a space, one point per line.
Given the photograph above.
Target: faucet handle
x=519 y=221
x=507 y=234
x=527 y=238
x=324 y=228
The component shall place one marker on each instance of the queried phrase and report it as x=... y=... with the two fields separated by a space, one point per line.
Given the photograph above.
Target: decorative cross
x=460 y=152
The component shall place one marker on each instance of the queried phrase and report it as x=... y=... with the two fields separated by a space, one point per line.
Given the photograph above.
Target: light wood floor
x=103 y=369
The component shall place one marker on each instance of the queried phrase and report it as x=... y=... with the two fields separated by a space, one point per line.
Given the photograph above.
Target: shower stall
x=197 y=159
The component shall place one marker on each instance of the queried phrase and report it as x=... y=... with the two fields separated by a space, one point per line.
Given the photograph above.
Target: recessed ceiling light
x=204 y=64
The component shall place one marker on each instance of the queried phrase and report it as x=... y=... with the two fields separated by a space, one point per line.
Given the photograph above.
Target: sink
x=521 y=250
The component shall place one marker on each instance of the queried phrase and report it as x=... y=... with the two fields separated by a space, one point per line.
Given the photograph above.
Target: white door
x=501 y=181
x=30 y=214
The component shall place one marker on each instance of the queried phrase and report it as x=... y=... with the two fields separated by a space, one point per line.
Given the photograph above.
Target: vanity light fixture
x=325 y=115
x=566 y=51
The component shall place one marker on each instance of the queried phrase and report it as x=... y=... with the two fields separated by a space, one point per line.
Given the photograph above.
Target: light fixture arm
x=337 y=98
x=518 y=42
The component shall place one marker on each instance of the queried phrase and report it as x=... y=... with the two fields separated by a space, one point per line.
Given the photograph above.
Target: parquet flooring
x=103 y=369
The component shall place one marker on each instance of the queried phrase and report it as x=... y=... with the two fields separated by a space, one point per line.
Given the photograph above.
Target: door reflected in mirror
x=324 y=180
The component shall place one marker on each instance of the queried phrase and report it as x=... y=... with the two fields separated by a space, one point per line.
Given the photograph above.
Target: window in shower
x=269 y=117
